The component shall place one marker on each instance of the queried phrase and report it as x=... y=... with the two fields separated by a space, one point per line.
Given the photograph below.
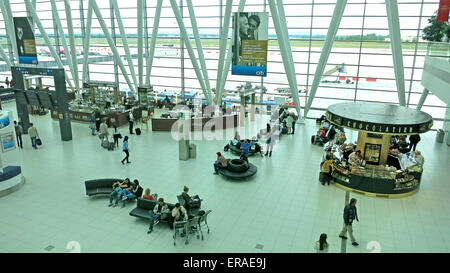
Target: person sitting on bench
x=245 y=147
x=191 y=202
x=220 y=163
x=131 y=193
x=160 y=212
x=117 y=192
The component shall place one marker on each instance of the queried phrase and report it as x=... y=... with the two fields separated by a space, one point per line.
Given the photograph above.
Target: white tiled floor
x=283 y=207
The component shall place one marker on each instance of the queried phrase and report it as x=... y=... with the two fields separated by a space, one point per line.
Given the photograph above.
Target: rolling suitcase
x=138 y=131
x=110 y=146
x=105 y=143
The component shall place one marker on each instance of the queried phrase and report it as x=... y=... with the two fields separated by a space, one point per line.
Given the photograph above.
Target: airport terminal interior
x=181 y=79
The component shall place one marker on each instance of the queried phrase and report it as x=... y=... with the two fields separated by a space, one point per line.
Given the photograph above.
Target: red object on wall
x=355 y=79
x=342 y=78
x=443 y=12
x=371 y=80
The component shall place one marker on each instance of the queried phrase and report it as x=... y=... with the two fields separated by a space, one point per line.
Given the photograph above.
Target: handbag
x=38 y=142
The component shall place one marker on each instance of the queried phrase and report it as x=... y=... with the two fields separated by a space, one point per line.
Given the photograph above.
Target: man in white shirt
x=131 y=121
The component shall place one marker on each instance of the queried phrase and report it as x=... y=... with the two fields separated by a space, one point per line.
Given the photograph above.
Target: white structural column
x=189 y=48
x=397 y=54
x=332 y=30
x=87 y=40
x=422 y=98
x=9 y=25
x=140 y=29
x=223 y=46
x=153 y=41
x=282 y=40
x=47 y=40
x=198 y=43
x=288 y=51
x=4 y=56
x=123 y=35
x=228 y=61
x=111 y=43
x=73 y=51
x=63 y=38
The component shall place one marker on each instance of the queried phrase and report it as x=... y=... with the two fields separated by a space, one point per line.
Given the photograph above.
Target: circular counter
x=379 y=118
x=375 y=181
x=377 y=170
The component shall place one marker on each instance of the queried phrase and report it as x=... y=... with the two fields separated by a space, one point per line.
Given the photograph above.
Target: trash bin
x=192 y=151
x=440 y=136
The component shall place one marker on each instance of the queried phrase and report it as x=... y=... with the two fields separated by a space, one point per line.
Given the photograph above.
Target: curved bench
x=238 y=151
x=238 y=169
x=100 y=186
x=143 y=206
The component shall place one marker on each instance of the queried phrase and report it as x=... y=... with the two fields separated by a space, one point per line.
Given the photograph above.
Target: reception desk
x=197 y=124
x=118 y=118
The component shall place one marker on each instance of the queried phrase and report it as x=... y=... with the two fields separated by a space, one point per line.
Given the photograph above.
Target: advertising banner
x=443 y=12
x=26 y=44
x=250 y=42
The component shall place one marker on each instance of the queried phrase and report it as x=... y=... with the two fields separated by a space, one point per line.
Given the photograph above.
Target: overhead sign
x=250 y=43
x=26 y=44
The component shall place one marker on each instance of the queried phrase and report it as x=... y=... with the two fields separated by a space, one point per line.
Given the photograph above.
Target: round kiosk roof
x=379 y=118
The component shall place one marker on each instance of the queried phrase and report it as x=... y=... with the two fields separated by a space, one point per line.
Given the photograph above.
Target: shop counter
x=197 y=124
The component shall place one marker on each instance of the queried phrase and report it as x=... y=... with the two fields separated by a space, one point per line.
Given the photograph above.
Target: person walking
x=413 y=140
x=32 y=131
x=131 y=121
x=19 y=132
x=7 y=82
x=97 y=120
x=92 y=125
x=103 y=131
x=295 y=117
x=289 y=122
x=350 y=214
x=125 y=150
x=116 y=137
x=269 y=143
x=321 y=246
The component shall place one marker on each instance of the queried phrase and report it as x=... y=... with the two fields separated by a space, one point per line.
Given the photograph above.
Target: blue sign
x=4 y=121
x=249 y=70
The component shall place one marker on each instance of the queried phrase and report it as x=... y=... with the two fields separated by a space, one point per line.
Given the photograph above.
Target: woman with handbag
x=125 y=150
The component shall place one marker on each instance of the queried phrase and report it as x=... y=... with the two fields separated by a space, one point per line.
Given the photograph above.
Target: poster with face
x=8 y=142
x=250 y=42
x=26 y=44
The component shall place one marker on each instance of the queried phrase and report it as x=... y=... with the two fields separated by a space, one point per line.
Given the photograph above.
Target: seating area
x=238 y=169
x=196 y=217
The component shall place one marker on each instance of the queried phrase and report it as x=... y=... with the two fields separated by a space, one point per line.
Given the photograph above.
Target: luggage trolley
x=202 y=221
x=190 y=227
x=176 y=226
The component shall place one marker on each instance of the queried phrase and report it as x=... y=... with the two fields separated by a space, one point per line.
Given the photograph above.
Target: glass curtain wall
x=362 y=46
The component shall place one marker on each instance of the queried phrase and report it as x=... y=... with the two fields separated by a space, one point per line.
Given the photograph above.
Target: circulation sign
x=26 y=44
x=250 y=42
